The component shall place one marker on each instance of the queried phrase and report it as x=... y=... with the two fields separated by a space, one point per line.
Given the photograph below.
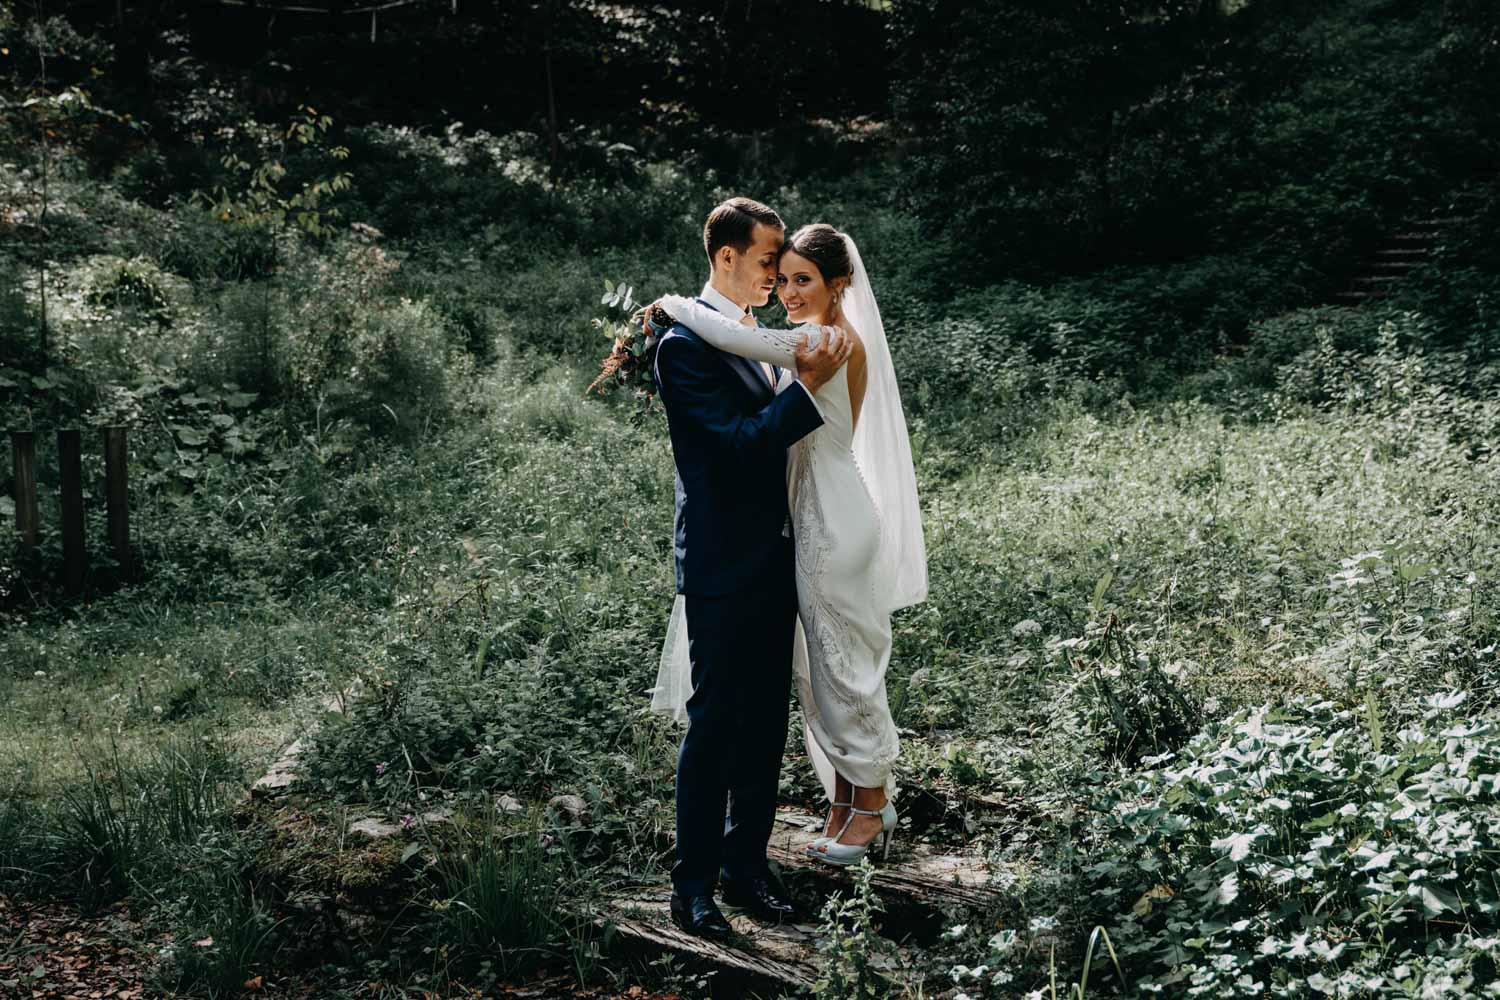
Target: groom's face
x=753 y=273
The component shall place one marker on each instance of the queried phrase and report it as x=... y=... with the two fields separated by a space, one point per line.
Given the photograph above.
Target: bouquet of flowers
x=632 y=360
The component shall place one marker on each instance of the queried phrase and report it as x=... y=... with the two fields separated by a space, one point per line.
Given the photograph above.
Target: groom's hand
x=816 y=365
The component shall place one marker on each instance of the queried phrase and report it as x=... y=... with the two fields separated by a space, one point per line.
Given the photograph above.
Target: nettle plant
x=1305 y=851
x=1121 y=694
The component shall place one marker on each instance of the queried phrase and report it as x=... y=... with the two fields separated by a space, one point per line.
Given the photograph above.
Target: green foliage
x=109 y=319
x=1230 y=160
x=850 y=945
x=251 y=193
x=1122 y=698
x=224 y=917
x=1026 y=120
x=1309 y=844
x=531 y=633
x=188 y=241
x=497 y=891
x=365 y=454
x=120 y=824
x=1459 y=287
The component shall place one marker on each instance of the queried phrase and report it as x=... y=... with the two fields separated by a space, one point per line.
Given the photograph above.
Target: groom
x=730 y=431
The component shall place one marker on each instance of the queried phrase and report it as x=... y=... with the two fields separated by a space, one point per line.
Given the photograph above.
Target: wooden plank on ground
x=915 y=878
x=784 y=954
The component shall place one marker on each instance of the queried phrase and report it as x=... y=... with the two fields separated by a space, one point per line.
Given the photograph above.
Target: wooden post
x=372 y=27
x=70 y=505
x=23 y=456
x=117 y=493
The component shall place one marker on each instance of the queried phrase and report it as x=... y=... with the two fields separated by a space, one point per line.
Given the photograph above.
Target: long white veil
x=882 y=448
x=883 y=451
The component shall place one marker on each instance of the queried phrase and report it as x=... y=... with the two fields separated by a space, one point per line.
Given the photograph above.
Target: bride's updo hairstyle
x=824 y=246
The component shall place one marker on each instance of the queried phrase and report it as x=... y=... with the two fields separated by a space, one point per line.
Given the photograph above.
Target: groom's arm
x=690 y=393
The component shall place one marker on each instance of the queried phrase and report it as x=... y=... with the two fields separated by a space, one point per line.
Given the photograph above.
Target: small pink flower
x=380 y=768
x=407 y=821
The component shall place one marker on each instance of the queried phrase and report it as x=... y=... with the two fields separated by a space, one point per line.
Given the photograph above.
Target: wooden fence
x=70 y=500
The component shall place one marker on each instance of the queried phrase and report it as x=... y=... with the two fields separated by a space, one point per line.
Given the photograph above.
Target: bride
x=858 y=533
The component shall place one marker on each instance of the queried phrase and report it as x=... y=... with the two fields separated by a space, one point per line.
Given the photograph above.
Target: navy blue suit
x=734 y=562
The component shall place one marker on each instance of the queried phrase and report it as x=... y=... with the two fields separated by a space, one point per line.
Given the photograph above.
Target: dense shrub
x=1213 y=164
x=1336 y=848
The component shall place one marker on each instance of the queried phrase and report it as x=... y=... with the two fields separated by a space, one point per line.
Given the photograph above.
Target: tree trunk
x=41 y=219
x=551 y=98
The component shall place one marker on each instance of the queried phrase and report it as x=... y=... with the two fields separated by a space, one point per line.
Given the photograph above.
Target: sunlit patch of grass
x=134 y=685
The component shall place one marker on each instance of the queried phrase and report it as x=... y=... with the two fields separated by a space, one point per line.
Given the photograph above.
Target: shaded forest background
x=1185 y=166
x=339 y=276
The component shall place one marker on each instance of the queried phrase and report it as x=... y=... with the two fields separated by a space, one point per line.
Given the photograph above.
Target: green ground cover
x=1194 y=553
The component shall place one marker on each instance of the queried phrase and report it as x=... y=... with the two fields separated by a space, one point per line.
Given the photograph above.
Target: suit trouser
x=741 y=652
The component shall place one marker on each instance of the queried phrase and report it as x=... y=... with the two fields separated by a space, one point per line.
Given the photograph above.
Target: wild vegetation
x=1213 y=607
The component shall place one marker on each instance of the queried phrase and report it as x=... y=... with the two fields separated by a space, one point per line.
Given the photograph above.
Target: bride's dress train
x=843 y=642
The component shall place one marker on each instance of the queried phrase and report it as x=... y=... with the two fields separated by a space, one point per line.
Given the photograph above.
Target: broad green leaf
x=1103 y=585
x=1226 y=892
x=1435 y=900
x=1237 y=844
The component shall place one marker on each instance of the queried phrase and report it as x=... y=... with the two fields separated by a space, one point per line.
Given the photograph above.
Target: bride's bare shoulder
x=857 y=351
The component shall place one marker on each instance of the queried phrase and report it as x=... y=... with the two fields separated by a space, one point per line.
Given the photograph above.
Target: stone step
x=283 y=771
x=1357 y=298
x=1404 y=253
x=1376 y=279
x=1399 y=267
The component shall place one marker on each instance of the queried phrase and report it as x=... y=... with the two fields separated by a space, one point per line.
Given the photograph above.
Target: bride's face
x=802 y=290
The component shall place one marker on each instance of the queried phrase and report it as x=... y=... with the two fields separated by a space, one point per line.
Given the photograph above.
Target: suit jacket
x=730 y=432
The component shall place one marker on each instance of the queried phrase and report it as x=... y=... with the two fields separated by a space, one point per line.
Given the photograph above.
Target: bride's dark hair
x=824 y=246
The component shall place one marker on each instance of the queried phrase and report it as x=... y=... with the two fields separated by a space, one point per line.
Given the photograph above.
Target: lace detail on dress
x=775 y=347
x=836 y=529
x=812 y=541
x=831 y=643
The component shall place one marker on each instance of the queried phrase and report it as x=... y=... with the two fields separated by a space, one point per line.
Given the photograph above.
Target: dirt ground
x=54 y=951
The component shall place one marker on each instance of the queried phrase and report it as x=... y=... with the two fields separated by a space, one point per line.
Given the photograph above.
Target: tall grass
x=227 y=927
x=498 y=889
x=122 y=824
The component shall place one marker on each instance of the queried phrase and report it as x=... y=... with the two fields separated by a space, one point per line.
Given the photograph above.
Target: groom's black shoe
x=698 y=915
x=760 y=895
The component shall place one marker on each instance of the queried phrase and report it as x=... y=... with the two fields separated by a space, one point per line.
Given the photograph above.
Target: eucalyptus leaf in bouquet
x=631 y=362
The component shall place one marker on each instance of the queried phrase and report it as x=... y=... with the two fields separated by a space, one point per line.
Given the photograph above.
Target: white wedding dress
x=855 y=562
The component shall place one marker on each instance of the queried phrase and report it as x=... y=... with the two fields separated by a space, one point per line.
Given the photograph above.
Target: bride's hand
x=655 y=320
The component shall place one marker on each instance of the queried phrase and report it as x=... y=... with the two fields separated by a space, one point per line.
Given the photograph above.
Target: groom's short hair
x=732 y=222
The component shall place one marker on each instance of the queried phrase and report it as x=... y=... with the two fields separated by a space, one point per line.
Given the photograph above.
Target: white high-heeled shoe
x=844 y=855
x=812 y=848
